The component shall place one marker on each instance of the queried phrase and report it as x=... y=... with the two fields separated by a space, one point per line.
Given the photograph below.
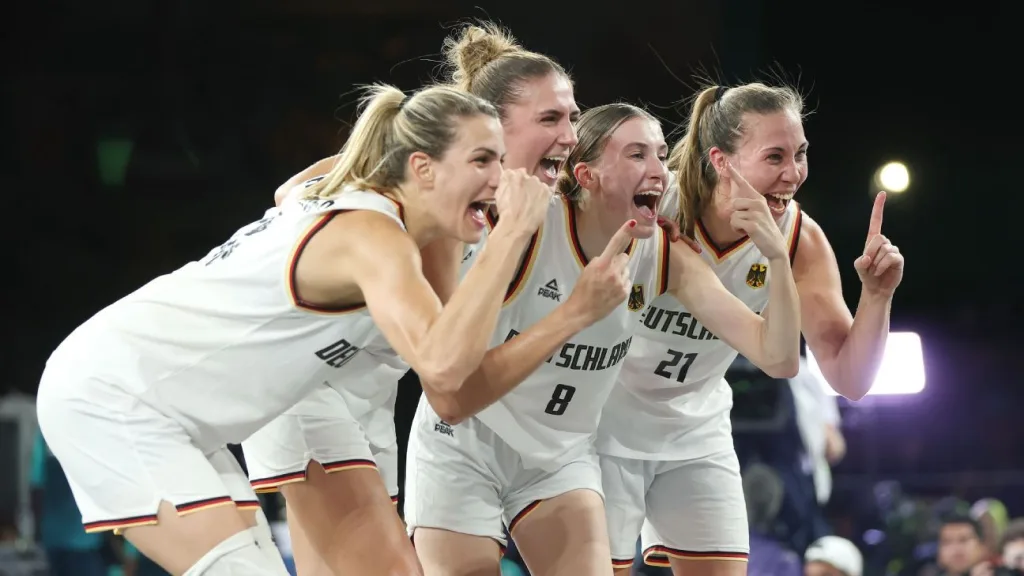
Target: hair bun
x=474 y=49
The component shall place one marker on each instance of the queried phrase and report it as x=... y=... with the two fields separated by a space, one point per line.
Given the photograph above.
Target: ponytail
x=370 y=144
x=696 y=179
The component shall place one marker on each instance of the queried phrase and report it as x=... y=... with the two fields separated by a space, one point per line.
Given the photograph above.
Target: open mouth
x=478 y=208
x=551 y=165
x=646 y=201
x=778 y=202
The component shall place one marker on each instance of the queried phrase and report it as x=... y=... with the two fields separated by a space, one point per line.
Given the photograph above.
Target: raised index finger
x=620 y=240
x=875 y=226
x=742 y=189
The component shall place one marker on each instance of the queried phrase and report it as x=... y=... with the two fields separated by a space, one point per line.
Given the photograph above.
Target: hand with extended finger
x=605 y=282
x=523 y=201
x=750 y=215
x=881 y=266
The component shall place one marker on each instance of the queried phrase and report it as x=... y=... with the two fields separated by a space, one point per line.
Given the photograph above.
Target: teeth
x=555 y=159
x=782 y=196
x=648 y=193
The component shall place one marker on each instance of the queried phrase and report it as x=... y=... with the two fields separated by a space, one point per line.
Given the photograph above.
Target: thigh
x=319 y=428
x=451 y=498
x=622 y=480
x=558 y=520
x=348 y=520
x=696 y=514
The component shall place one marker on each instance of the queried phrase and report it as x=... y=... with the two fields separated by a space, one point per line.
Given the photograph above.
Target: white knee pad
x=265 y=540
x=238 y=554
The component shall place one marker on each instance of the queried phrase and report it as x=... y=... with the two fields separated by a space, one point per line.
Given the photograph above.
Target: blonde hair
x=594 y=128
x=716 y=120
x=392 y=126
x=487 y=61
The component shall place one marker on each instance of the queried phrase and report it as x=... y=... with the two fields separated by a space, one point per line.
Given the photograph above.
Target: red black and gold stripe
x=244 y=505
x=274 y=483
x=525 y=265
x=794 y=233
x=659 y=556
x=300 y=247
x=118 y=525
x=663 y=260
x=717 y=253
x=523 y=514
x=620 y=564
x=574 y=239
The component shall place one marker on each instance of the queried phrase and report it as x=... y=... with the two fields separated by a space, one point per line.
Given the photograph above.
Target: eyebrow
x=574 y=114
x=485 y=150
x=806 y=144
x=662 y=145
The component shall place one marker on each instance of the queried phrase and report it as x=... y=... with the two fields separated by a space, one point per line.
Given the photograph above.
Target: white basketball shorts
x=689 y=509
x=318 y=428
x=465 y=479
x=122 y=457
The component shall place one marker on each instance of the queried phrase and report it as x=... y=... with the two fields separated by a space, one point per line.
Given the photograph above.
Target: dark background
x=222 y=101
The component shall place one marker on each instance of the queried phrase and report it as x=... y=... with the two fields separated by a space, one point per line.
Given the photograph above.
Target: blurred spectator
x=1010 y=559
x=833 y=556
x=70 y=550
x=991 y=515
x=817 y=417
x=1011 y=549
x=763 y=491
x=960 y=545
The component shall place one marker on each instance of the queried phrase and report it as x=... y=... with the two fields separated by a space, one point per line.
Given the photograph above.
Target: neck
x=720 y=231
x=418 y=221
x=591 y=232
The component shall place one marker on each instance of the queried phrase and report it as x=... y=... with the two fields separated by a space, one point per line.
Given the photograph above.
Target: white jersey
x=371 y=398
x=224 y=344
x=555 y=411
x=671 y=401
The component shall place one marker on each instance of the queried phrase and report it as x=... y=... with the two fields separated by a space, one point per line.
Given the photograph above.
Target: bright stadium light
x=892 y=177
x=902 y=369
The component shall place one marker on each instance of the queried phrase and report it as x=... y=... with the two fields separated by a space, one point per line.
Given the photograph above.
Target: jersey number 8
x=560 y=399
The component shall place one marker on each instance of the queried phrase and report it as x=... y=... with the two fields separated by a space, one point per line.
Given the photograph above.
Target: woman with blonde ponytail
x=669 y=467
x=166 y=377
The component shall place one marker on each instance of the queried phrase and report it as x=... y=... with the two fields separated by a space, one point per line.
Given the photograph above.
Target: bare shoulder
x=365 y=234
x=345 y=251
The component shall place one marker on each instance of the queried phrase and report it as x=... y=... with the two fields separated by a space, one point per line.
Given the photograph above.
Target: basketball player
x=669 y=466
x=345 y=426
x=332 y=516
x=139 y=402
x=527 y=459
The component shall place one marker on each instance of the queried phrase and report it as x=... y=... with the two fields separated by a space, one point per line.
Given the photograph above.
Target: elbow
x=442 y=391
x=788 y=368
x=853 y=394
x=445 y=405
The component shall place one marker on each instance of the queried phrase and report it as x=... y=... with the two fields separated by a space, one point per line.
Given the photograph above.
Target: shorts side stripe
x=659 y=556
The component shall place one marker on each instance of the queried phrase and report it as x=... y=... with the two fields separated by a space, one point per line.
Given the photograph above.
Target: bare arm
x=319 y=168
x=442 y=259
x=771 y=341
x=849 y=351
x=444 y=345
x=504 y=366
x=601 y=287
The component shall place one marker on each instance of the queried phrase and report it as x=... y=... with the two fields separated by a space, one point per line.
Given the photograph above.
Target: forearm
x=319 y=168
x=506 y=366
x=861 y=354
x=457 y=341
x=780 y=331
